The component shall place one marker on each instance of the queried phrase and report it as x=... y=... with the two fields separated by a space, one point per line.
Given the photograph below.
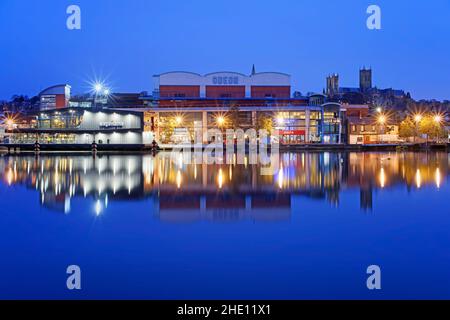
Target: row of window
x=226 y=96
x=363 y=128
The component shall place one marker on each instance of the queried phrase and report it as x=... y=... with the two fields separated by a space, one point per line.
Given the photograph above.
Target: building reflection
x=219 y=192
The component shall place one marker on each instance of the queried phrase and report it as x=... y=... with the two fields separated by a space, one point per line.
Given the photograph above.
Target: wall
x=217 y=92
x=93 y=121
x=180 y=91
x=114 y=138
x=274 y=92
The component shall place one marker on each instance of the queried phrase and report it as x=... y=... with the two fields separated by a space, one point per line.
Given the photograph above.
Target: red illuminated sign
x=291 y=132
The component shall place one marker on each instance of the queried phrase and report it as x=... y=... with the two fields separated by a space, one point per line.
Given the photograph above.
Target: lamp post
x=220 y=121
x=417 y=119
x=381 y=121
x=438 y=120
x=98 y=88
x=9 y=124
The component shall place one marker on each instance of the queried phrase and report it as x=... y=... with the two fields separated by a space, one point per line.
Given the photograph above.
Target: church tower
x=365 y=79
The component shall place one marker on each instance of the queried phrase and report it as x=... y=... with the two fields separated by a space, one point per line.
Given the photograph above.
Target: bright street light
x=220 y=121
x=382 y=119
x=9 y=123
x=98 y=87
x=179 y=120
x=438 y=118
x=106 y=92
x=418 y=118
x=379 y=110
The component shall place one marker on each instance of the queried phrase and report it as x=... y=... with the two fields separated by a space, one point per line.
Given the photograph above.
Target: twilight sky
x=126 y=42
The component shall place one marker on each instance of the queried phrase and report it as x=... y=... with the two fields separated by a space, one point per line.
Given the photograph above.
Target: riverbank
x=111 y=148
x=139 y=148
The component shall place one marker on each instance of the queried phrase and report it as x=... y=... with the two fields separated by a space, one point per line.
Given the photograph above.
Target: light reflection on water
x=146 y=227
x=199 y=191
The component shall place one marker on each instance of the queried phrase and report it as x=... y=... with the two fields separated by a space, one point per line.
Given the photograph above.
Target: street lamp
x=98 y=87
x=10 y=123
x=381 y=120
x=379 y=109
x=438 y=119
x=417 y=119
x=179 y=120
x=220 y=121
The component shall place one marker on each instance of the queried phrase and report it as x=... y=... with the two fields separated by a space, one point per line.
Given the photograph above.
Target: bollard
x=37 y=148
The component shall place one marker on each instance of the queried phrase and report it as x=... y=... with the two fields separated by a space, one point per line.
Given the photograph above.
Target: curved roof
x=54 y=87
x=218 y=72
x=331 y=104
x=317 y=95
x=270 y=72
x=231 y=72
x=170 y=72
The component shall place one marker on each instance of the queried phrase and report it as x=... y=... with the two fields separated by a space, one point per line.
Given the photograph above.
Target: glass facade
x=293 y=127
x=179 y=127
x=69 y=119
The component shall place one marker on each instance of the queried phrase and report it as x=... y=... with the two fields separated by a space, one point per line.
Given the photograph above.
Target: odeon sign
x=224 y=80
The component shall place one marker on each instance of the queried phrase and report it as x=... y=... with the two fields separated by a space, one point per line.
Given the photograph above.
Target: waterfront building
x=79 y=126
x=365 y=128
x=55 y=97
x=185 y=105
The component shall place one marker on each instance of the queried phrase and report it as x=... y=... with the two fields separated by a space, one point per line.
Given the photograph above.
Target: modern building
x=55 y=97
x=78 y=126
x=222 y=85
x=188 y=104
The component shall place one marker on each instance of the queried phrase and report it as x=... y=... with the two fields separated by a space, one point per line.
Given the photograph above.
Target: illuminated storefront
x=84 y=126
x=185 y=105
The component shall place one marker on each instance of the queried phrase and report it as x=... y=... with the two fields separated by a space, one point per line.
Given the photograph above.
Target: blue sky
x=126 y=42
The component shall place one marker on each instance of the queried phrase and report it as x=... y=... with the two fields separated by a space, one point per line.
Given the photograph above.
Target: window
x=362 y=128
x=353 y=128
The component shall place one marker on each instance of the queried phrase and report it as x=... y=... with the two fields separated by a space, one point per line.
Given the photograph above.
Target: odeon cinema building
x=185 y=105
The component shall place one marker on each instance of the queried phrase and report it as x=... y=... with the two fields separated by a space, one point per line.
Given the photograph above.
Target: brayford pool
x=146 y=227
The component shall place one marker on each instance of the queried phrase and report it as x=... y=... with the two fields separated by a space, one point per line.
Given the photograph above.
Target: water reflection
x=186 y=193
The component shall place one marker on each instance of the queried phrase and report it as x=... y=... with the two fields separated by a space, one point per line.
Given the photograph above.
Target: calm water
x=144 y=227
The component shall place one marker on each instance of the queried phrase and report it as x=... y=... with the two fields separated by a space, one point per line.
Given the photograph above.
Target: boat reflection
x=228 y=192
